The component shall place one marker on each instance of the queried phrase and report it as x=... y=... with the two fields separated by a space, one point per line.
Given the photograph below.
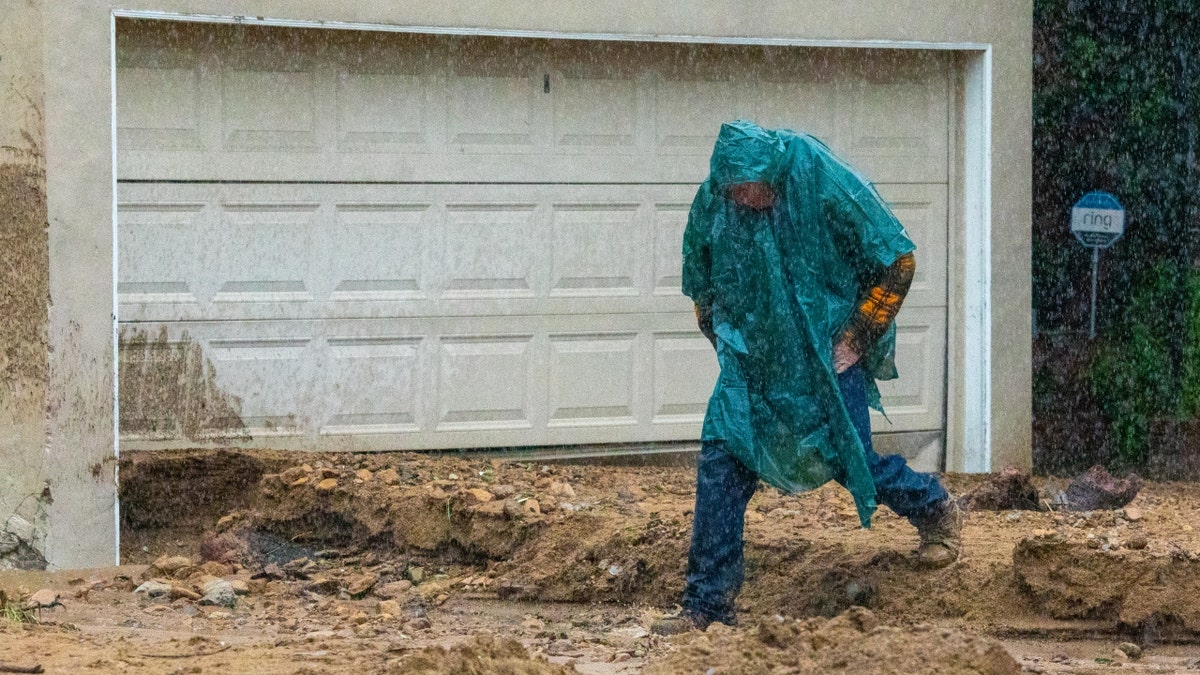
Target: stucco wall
x=24 y=263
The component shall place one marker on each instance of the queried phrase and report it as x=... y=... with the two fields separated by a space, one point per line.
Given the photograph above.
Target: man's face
x=757 y=196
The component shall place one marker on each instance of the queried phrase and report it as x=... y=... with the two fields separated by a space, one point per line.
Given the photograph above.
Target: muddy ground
x=286 y=563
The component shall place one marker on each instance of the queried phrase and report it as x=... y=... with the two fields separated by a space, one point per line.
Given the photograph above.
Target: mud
x=169 y=391
x=370 y=563
x=854 y=642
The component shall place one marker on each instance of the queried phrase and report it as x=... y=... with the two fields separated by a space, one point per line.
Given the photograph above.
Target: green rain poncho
x=782 y=283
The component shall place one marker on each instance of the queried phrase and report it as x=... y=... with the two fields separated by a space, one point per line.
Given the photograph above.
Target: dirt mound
x=1149 y=589
x=1096 y=488
x=1009 y=489
x=483 y=655
x=853 y=642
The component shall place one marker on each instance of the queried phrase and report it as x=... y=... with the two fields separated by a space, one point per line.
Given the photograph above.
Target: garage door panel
x=593 y=379
x=378 y=252
x=271 y=381
x=483 y=383
x=595 y=248
x=210 y=103
x=148 y=277
x=489 y=250
x=374 y=385
x=685 y=370
x=670 y=220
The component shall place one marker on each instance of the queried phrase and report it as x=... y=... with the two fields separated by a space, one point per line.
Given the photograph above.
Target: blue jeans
x=724 y=487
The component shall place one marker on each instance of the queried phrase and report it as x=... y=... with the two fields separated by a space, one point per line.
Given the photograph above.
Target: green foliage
x=1116 y=107
x=1133 y=376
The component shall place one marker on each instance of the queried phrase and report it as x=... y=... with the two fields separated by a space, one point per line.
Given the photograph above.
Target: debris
x=1098 y=489
x=154 y=588
x=359 y=585
x=218 y=592
x=393 y=589
x=1010 y=489
x=1130 y=650
x=42 y=599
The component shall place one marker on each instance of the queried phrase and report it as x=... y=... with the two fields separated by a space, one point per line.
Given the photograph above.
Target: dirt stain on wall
x=169 y=391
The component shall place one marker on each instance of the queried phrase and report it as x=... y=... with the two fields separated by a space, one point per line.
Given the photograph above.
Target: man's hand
x=843 y=357
x=704 y=319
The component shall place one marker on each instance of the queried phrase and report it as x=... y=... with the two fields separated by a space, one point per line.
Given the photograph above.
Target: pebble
x=503 y=491
x=358 y=586
x=1130 y=649
x=364 y=475
x=1137 y=542
x=417 y=624
x=393 y=589
x=154 y=589
x=390 y=607
x=240 y=586
x=388 y=476
x=43 y=598
x=481 y=495
x=184 y=592
x=1133 y=514
x=415 y=574
x=563 y=647
x=218 y=592
x=169 y=565
x=327 y=485
x=532 y=506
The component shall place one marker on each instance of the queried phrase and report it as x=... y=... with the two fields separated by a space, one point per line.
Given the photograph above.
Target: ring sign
x=1098 y=220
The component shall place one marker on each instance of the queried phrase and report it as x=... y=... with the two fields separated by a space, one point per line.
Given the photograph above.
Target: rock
x=513 y=509
x=1133 y=514
x=218 y=592
x=328 y=472
x=364 y=475
x=549 y=504
x=415 y=574
x=532 y=506
x=393 y=589
x=481 y=495
x=291 y=474
x=322 y=586
x=359 y=618
x=240 y=586
x=503 y=491
x=327 y=485
x=169 y=565
x=225 y=520
x=563 y=647
x=1130 y=649
x=220 y=615
x=359 y=586
x=623 y=494
x=43 y=598
x=1137 y=542
x=562 y=489
x=216 y=569
x=273 y=571
x=389 y=477
x=417 y=624
x=184 y=592
x=19 y=527
x=154 y=588
x=533 y=623
x=390 y=607
x=1098 y=489
x=299 y=481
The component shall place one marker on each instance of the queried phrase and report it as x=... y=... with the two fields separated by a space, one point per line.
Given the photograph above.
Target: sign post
x=1097 y=221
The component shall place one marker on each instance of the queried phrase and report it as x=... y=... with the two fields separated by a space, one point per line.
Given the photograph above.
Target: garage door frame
x=969 y=388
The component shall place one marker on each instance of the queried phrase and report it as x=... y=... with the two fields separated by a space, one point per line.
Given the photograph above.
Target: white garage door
x=345 y=240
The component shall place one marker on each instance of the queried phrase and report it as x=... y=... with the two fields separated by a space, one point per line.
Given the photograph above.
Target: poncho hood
x=747 y=153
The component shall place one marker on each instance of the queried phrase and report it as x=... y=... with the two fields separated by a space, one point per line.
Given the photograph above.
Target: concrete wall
x=78 y=183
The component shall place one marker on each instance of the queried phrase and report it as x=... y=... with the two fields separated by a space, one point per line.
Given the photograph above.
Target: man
x=797 y=269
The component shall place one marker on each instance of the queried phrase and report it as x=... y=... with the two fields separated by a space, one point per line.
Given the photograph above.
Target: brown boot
x=941 y=535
